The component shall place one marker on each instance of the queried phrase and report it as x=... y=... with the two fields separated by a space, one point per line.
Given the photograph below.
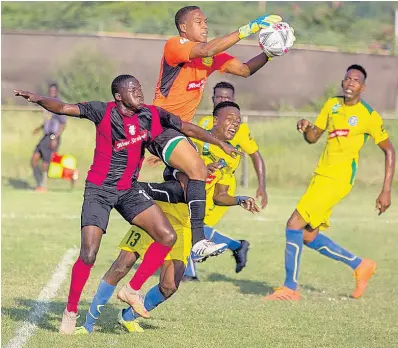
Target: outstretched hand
x=30 y=97
x=230 y=150
x=250 y=205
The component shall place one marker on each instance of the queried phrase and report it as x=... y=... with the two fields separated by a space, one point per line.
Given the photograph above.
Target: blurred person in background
x=52 y=127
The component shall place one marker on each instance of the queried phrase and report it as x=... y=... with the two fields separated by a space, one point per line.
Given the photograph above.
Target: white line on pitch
x=29 y=326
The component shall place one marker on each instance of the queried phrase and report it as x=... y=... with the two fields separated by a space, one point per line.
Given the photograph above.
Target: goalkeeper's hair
x=181 y=15
x=224 y=84
x=223 y=105
x=118 y=82
x=359 y=68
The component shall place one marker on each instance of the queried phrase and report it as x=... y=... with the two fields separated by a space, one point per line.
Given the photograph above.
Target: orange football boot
x=283 y=294
x=362 y=275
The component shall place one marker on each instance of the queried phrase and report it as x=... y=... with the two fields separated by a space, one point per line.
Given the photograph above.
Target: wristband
x=241 y=199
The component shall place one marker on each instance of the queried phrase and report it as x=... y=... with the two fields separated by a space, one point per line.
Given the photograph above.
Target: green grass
x=224 y=309
x=289 y=159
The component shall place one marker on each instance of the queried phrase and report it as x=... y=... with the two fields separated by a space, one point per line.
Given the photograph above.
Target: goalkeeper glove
x=257 y=24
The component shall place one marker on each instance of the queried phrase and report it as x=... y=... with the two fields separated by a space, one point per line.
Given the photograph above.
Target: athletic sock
x=101 y=298
x=190 y=270
x=218 y=238
x=294 y=246
x=153 y=259
x=80 y=274
x=327 y=247
x=196 y=200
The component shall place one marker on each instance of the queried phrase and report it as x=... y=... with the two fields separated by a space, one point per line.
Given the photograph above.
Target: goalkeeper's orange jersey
x=348 y=129
x=242 y=137
x=182 y=80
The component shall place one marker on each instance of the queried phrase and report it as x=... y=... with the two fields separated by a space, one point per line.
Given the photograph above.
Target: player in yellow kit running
x=135 y=244
x=349 y=122
x=224 y=91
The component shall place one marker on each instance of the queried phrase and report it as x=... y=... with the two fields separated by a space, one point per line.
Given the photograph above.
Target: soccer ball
x=277 y=39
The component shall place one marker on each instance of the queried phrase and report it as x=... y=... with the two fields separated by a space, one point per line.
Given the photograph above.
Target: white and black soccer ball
x=277 y=39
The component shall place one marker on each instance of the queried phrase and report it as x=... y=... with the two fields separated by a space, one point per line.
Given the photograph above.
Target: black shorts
x=44 y=148
x=164 y=144
x=98 y=203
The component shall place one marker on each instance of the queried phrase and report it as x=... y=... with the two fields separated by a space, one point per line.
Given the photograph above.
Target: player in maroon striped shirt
x=124 y=128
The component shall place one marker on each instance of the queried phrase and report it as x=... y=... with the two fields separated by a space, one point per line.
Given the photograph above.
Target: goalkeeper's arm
x=236 y=67
x=220 y=44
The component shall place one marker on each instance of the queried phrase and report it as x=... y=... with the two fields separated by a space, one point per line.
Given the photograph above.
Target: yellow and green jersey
x=242 y=137
x=348 y=127
x=178 y=213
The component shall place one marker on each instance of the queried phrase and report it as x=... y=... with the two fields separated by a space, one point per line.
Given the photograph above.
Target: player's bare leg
x=90 y=242
x=185 y=158
x=170 y=277
x=44 y=168
x=120 y=267
x=155 y=223
x=37 y=172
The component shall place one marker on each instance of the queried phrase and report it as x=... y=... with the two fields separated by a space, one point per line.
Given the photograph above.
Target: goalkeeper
x=188 y=60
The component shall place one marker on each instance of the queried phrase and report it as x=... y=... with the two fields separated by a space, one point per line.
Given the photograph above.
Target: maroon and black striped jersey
x=121 y=140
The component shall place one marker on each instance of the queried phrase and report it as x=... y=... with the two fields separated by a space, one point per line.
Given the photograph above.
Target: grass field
x=224 y=309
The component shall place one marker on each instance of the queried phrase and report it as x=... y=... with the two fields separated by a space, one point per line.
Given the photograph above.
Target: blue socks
x=153 y=298
x=294 y=246
x=190 y=270
x=102 y=296
x=218 y=238
x=327 y=247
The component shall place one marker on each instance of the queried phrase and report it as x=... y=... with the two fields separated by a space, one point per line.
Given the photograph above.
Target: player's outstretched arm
x=236 y=67
x=383 y=202
x=311 y=132
x=259 y=166
x=221 y=44
x=196 y=132
x=53 y=105
x=222 y=198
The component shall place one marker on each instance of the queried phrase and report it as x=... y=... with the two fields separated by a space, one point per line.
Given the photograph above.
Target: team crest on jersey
x=206 y=149
x=207 y=61
x=335 y=107
x=353 y=121
x=132 y=129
